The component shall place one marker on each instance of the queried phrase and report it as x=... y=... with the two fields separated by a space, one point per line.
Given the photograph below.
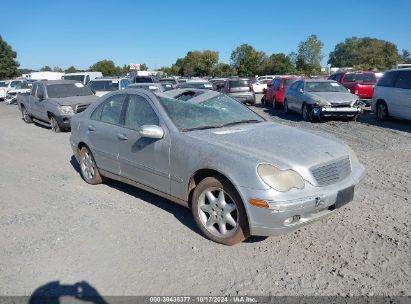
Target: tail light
x=251 y=87
x=227 y=88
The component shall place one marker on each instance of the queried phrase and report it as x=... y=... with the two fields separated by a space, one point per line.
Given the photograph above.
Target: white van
x=392 y=95
x=83 y=77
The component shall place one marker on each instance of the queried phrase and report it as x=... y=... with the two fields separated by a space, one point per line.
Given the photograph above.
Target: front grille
x=81 y=108
x=331 y=172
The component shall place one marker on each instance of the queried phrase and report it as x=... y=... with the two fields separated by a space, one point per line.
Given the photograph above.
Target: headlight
x=67 y=110
x=319 y=102
x=353 y=157
x=356 y=102
x=280 y=180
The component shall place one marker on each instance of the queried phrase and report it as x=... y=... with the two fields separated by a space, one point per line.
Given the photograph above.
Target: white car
x=6 y=86
x=102 y=86
x=260 y=85
x=392 y=95
x=265 y=77
x=20 y=88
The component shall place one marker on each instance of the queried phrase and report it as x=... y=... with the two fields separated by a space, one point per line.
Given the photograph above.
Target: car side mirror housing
x=151 y=131
x=301 y=91
x=40 y=97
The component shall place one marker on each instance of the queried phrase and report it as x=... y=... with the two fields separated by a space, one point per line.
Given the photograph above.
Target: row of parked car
x=342 y=94
x=240 y=174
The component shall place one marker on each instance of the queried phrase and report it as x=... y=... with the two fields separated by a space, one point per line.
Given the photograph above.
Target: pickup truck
x=55 y=102
x=360 y=83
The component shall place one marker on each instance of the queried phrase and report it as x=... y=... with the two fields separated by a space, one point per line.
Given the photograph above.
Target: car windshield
x=171 y=81
x=143 y=80
x=360 y=77
x=324 y=86
x=67 y=90
x=197 y=85
x=73 y=77
x=263 y=81
x=23 y=85
x=3 y=84
x=103 y=85
x=216 y=112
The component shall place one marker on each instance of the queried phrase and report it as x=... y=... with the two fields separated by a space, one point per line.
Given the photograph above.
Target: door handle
x=122 y=136
x=91 y=128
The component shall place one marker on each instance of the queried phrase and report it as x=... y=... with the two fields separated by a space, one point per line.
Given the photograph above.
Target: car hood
x=102 y=93
x=74 y=100
x=268 y=142
x=334 y=97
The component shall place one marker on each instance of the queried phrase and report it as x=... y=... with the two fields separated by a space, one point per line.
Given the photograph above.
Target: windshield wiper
x=240 y=122
x=222 y=126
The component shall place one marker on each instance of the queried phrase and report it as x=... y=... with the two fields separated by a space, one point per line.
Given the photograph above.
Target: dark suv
x=240 y=89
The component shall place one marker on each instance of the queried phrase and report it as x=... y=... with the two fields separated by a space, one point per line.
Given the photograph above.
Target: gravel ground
x=124 y=241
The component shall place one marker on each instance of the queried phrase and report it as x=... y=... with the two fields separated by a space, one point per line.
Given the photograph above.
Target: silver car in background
x=241 y=89
x=240 y=175
x=316 y=98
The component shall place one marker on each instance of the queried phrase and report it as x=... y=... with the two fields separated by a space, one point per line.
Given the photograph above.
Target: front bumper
x=296 y=208
x=63 y=121
x=337 y=111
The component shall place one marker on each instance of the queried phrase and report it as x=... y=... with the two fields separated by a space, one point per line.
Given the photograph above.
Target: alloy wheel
x=218 y=212
x=87 y=166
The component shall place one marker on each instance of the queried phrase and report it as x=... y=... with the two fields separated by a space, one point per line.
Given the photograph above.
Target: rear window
x=404 y=80
x=104 y=85
x=143 y=80
x=67 y=90
x=73 y=77
x=360 y=77
x=289 y=82
x=388 y=79
x=239 y=83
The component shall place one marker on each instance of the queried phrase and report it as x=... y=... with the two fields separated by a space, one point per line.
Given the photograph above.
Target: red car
x=274 y=93
x=360 y=83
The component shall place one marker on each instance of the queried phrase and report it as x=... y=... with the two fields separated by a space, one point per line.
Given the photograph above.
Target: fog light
x=258 y=203
x=292 y=219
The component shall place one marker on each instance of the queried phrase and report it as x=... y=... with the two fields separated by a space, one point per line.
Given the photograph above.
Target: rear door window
x=403 y=80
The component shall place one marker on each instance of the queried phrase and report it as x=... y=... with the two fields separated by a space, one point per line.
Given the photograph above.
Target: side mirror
x=151 y=131
x=40 y=97
x=301 y=91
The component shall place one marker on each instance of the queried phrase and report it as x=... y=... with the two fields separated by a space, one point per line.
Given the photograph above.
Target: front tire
x=219 y=212
x=54 y=124
x=307 y=113
x=88 y=167
x=382 y=111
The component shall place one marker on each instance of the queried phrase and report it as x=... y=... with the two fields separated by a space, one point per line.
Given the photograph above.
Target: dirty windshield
x=218 y=111
x=67 y=90
x=324 y=86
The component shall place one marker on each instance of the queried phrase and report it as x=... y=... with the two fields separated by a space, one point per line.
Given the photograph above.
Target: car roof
x=108 y=78
x=318 y=80
x=50 y=82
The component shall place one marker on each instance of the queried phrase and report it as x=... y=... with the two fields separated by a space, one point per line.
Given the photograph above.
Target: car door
x=400 y=103
x=293 y=95
x=39 y=103
x=102 y=132
x=144 y=160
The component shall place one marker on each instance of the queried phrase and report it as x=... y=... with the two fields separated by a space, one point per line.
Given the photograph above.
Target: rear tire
x=382 y=111
x=26 y=116
x=88 y=167
x=285 y=106
x=219 y=211
x=263 y=100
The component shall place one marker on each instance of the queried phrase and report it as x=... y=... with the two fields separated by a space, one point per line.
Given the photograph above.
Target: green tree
x=196 y=63
x=107 y=67
x=309 y=55
x=8 y=64
x=58 y=69
x=365 y=53
x=405 y=56
x=23 y=71
x=71 y=69
x=246 y=60
x=224 y=70
x=143 y=67
x=277 y=64
x=46 y=69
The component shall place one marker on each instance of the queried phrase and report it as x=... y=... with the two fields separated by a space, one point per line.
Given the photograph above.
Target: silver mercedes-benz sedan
x=240 y=174
x=318 y=98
